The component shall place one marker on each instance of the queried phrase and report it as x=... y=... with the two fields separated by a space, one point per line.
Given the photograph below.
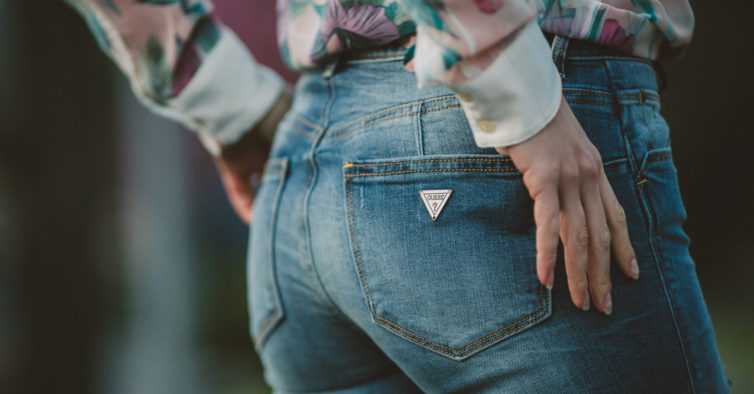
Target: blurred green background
x=122 y=265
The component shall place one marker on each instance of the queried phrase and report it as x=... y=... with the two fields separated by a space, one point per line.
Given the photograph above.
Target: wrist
x=562 y=106
x=257 y=141
x=267 y=127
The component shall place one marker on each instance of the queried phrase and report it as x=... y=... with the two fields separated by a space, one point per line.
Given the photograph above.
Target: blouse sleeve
x=184 y=64
x=494 y=56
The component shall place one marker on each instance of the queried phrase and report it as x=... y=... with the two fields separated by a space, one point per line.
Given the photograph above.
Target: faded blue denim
x=354 y=288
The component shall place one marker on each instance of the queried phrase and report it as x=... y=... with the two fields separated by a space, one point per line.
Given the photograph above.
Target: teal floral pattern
x=160 y=44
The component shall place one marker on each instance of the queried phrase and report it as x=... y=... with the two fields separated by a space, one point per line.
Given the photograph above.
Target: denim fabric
x=354 y=288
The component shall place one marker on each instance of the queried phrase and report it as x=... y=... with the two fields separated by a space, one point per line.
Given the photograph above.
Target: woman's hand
x=573 y=200
x=238 y=162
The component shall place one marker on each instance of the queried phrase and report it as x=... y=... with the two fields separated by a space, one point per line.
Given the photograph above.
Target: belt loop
x=331 y=68
x=559 y=48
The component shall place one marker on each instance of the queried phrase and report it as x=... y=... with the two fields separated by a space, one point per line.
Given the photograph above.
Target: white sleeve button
x=486 y=126
x=465 y=97
x=517 y=95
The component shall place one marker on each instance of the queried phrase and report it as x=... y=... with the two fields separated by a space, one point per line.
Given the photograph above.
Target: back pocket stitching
x=501 y=159
x=521 y=324
x=434 y=170
x=487 y=339
x=360 y=267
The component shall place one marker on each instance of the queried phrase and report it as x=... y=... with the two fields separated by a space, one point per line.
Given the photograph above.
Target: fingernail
x=608 y=304
x=634 y=269
x=585 y=301
x=549 y=280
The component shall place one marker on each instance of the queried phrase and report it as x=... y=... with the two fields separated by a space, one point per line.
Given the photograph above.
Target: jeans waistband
x=581 y=48
x=562 y=48
x=390 y=52
x=397 y=49
x=393 y=51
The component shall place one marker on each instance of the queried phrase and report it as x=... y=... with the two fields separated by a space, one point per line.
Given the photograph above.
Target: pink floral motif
x=489 y=6
x=614 y=35
x=366 y=22
x=459 y=38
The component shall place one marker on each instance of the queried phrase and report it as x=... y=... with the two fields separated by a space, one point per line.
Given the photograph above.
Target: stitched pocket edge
x=462 y=353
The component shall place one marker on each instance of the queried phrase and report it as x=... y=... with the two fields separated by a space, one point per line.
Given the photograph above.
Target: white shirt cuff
x=229 y=94
x=516 y=96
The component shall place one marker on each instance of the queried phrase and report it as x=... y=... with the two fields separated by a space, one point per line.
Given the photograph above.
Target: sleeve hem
x=490 y=141
x=228 y=95
x=517 y=96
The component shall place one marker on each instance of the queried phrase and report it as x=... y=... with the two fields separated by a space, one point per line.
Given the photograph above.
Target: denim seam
x=501 y=159
x=628 y=152
x=661 y=157
x=584 y=102
x=277 y=313
x=389 y=110
x=644 y=118
x=653 y=156
x=518 y=325
x=301 y=119
x=642 y=96
x=609 y=57
x=587 y=91
x=265 y=329
x=651 y=220
x=357 y=252
x=325 y=114
x=297 y=129
x=271 y=163
x=527 y=321
x=434 y=170
x=367 y=60
x=311 y=161
x=419 y=133
x=614 y=162
x=347 y=133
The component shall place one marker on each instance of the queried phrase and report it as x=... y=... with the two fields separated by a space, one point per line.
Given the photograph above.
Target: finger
x=575 y=236
x=244 y=208
x=546 y=208
x=616 y=221
x=240 y=194
x=242 y=202
x=598 y=261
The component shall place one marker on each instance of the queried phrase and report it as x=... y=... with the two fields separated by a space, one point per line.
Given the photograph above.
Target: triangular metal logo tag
x=435 y=200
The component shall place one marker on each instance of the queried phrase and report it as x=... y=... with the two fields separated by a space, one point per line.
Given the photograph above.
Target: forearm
x=183 y=64
x=245 y=153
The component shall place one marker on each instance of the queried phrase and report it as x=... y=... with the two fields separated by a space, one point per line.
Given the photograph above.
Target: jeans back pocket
x=453 y=270
x=265 y=307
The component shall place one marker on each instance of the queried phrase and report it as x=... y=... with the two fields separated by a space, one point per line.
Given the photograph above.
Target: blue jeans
x=353 y=287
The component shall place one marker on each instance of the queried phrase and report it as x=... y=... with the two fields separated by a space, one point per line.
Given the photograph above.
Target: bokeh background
x=122 y=265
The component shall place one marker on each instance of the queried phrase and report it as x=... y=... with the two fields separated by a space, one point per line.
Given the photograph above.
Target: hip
x=399 y=199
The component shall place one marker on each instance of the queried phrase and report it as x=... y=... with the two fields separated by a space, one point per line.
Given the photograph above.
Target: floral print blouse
x=185 y=64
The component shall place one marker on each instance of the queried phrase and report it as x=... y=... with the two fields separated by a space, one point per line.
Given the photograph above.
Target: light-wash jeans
x=353 y=287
